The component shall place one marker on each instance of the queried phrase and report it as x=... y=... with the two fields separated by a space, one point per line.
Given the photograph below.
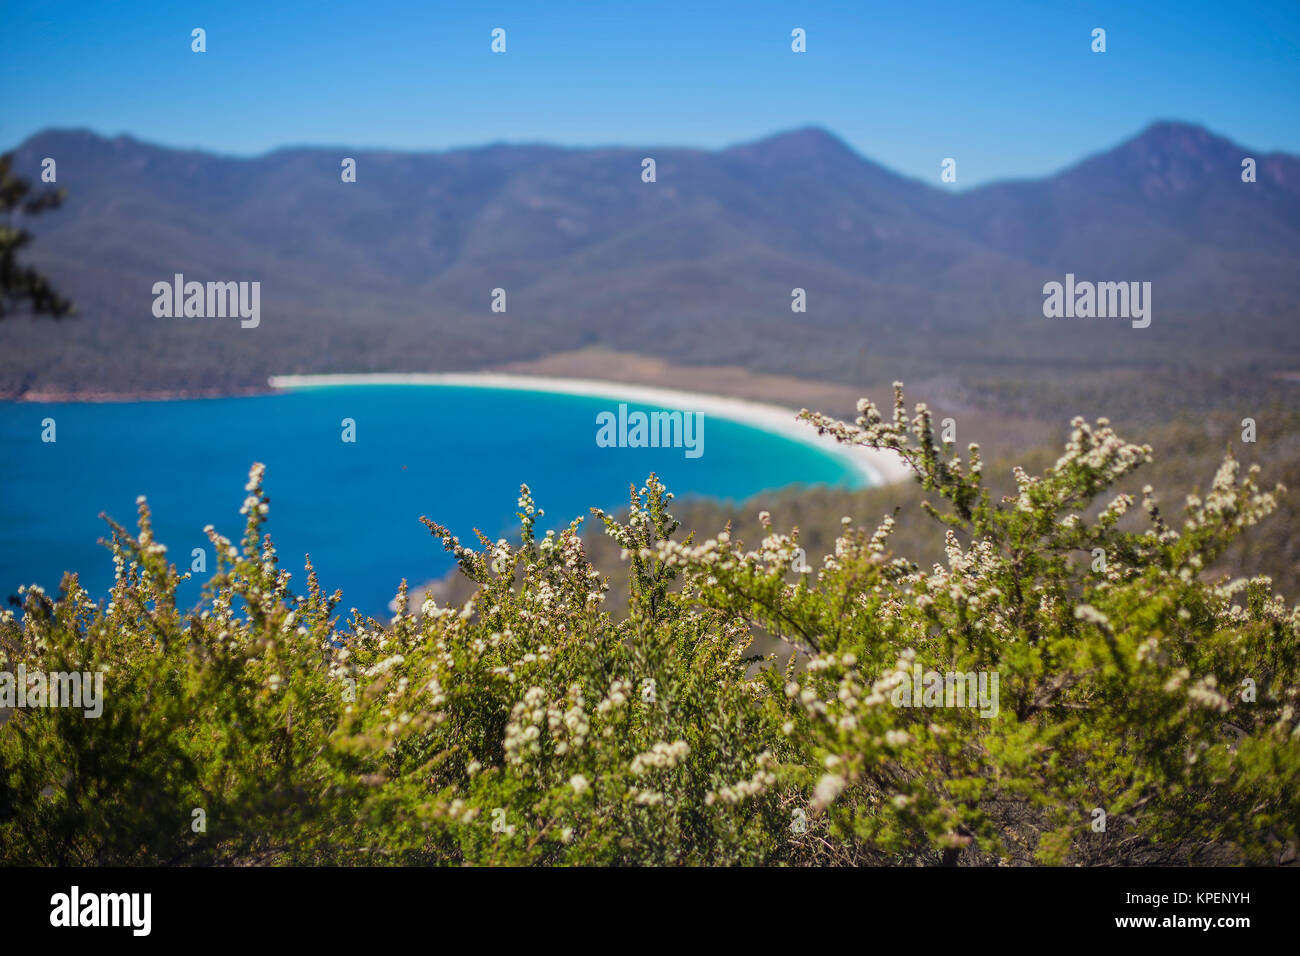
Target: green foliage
x=19 y=284
x=532 y=726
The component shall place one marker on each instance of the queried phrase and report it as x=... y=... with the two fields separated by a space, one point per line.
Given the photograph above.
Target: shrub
x=529 y=727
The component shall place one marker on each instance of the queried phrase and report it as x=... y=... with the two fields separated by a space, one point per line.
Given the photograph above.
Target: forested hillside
x=395 y=272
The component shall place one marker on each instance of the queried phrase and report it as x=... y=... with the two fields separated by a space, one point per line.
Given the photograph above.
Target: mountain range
x=396 y=271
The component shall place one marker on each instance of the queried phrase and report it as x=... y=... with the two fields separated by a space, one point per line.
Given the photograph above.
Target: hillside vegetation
x=395 y=272
x=1186 y=453
x=1145 y=708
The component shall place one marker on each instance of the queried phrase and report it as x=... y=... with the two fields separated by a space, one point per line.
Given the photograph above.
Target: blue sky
x=1009 y=89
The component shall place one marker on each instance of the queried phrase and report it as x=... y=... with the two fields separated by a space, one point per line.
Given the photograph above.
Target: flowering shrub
x=1144 y=713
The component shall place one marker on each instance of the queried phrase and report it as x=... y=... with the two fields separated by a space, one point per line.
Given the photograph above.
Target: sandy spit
x=877 y=467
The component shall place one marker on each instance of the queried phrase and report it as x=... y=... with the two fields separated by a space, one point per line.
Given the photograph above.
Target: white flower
x=1086 y=612
x=828 y=788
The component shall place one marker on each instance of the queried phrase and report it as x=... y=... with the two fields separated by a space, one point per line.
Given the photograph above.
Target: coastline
x=876 y=467
x=169 y=395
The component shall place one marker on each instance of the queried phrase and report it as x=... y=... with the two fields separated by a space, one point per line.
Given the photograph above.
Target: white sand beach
x=876 y=467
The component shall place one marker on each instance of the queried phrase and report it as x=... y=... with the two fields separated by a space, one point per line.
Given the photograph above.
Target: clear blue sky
x=1009 y=89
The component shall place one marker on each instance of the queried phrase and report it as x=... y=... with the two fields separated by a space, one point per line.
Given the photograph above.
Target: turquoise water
x=455 y=454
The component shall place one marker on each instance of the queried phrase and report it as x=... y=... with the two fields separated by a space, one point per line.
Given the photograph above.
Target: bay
x=457 y=454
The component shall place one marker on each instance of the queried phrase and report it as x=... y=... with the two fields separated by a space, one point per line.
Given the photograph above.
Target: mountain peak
x=1165 y=160
x=806 y=144
x=1187 y=139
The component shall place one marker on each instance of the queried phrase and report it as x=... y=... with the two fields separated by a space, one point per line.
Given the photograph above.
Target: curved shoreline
x=876 y=467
